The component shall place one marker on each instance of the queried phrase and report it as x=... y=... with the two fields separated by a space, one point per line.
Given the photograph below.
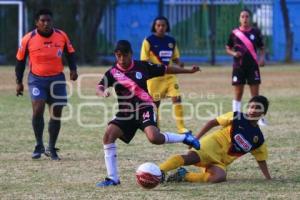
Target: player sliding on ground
x=129 y=79
x=239 y=135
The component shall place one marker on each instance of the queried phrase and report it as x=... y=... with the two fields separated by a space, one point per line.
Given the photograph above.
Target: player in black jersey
x=129 y=79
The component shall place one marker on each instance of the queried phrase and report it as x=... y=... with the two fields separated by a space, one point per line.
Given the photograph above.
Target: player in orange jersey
x=46 y=81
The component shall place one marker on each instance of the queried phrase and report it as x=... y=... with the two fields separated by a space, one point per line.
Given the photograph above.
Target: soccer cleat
x=38 y=151
x=52 y=153
x=178 y=176
x=107 y=182
x=191 y=140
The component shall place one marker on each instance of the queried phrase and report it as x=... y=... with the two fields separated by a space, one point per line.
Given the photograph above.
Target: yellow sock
x=172 y=163
x=197 y=177
x=178 y=111
x=157 y=117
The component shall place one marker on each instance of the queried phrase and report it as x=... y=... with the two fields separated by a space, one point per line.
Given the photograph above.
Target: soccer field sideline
x=82 y=163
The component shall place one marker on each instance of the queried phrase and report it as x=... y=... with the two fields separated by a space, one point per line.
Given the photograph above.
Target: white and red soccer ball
x=148 y=175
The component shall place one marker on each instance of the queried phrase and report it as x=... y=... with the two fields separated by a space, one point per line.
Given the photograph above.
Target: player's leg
x=254 y=90
x=53 y=129
x=147 y=123
x=157 y=89
x=179 y=114
x=57 y=99
x=173 y=92
x=112 y=133
x=38 y=98
x=213 y=174
x=177 y=161
x=254 y=82
x=238 y=94
x=238 y=83
x=38 y=107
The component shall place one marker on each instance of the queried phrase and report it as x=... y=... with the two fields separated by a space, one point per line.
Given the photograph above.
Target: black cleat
x=38 y=151
x=178 y=176
x=52 y=153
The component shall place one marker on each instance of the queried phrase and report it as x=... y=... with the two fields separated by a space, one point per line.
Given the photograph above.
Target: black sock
x=53 y=128
x=38 y=128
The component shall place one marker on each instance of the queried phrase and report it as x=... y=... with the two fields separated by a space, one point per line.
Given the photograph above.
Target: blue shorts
x=52 y=89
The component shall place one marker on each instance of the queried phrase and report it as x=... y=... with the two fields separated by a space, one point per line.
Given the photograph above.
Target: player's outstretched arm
x=179 y=70
x=264 y=168
x=209 y=125
x=261 y=61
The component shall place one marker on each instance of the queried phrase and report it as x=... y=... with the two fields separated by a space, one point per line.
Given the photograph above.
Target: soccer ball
x=148 y=175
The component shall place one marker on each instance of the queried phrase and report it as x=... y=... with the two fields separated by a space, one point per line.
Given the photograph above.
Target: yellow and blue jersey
x=234 y=139
x=159 y=50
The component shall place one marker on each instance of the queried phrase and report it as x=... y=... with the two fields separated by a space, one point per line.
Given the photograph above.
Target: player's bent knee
x=217 y=179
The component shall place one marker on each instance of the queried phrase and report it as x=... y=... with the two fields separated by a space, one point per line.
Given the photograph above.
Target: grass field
x=82 y=163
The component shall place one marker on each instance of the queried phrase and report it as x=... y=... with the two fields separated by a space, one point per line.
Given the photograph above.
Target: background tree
x=288 y=32
x=80 y=19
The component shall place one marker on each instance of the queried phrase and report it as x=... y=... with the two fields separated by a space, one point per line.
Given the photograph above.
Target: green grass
x=82 y=163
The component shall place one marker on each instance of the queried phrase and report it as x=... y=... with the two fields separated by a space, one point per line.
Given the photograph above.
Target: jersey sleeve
x=261 y=153
x=176 y=54
x=69 y=47
x=155 y=69
x=225 y=119
x=145 y=51
x=260 y=42
x=21 y=54
x=230 y=42
x=107 y=80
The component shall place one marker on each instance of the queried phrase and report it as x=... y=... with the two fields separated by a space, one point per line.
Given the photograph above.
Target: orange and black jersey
x=45 y=53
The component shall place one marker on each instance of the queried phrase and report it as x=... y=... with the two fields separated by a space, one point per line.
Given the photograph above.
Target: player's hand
x=101 y=92
x=237 y=54
x=73 y=75
x=105 y=93
x=19 y=89
x=195 y=69
x=261 y=62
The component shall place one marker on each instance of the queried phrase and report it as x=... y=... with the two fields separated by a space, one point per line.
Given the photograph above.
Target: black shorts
x=129 y=122
x=246 y=75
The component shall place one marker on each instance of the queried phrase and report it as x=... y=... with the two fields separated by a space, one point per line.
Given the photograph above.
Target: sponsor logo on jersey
x=242 y=142
x=165 y=54
x=138 y=75
x=35 y=91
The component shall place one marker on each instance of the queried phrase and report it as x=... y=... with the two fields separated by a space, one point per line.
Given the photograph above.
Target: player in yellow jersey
x=239 y=135
x=160 y=48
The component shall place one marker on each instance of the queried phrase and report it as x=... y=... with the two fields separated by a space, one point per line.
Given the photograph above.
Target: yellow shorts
x=163 y=86
x=211 y=153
